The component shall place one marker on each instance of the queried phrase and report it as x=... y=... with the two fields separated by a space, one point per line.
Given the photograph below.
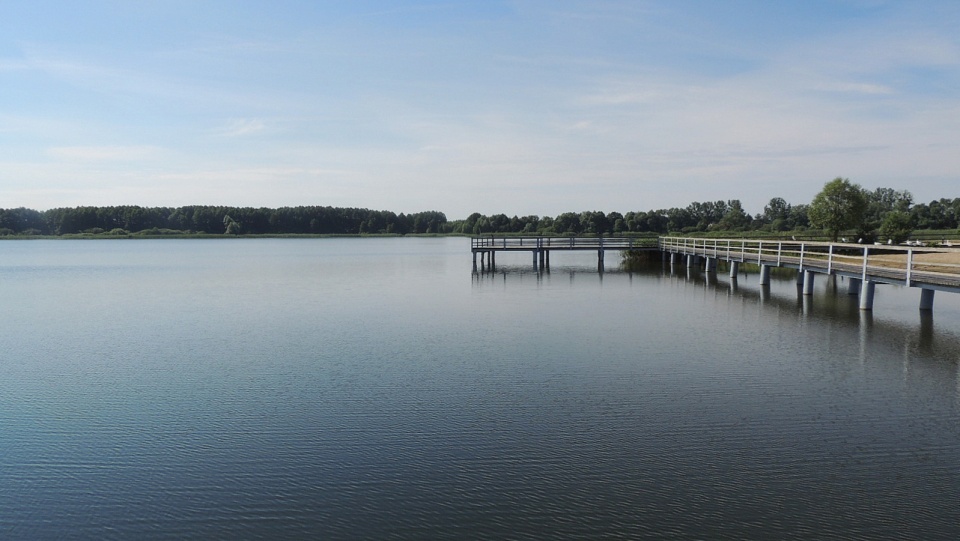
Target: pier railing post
x=909 y=265
x=866 y=252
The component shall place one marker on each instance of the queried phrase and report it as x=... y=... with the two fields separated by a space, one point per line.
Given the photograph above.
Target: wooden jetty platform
x=930 y=269
x=540 y=247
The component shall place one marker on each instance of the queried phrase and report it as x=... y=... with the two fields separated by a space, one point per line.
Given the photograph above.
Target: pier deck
x=487 y=247
x=928 y=268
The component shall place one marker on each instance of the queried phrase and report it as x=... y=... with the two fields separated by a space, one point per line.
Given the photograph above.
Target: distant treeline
x=777 y=215
x=122 y=220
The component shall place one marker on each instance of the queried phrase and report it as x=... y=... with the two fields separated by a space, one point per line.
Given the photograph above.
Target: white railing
x=909 y=264
x=561 y=243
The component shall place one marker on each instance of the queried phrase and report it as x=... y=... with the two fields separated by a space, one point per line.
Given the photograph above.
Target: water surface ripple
x=376 y=389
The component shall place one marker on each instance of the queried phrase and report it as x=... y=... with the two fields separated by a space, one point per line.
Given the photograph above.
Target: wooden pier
x=930 y=269
x=540 y=247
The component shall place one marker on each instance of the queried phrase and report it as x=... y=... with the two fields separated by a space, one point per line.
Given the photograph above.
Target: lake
x=373 y=388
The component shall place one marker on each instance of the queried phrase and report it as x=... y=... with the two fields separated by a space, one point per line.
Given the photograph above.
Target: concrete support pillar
x=926 y=299
x=474 y=261
x=764 y=275
x=799 y=277
x=734 y=268
x=866 y=294
x=493 y=261
x=548 y=259
x=710 y=264
x=808 y=282
x=853 y=288
x=673 y=257
x=535 y=262
x=690 y=260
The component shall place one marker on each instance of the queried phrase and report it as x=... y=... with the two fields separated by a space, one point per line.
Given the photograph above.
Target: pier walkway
x=930 y=269
x=540 y=247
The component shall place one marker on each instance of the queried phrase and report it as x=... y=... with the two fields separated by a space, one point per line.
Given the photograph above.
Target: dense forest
x=777 y=216
x=124 y=220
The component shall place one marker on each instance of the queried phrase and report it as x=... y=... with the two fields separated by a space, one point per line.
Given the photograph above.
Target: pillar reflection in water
x=926 y=341
x=764 y=293
x=866 y=325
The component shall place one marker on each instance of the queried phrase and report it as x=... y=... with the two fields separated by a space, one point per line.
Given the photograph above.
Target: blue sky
x=520 y=107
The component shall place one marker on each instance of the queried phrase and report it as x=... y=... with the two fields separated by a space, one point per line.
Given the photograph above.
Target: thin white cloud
x=240 y=127
x=104 y=153
x=856 y=88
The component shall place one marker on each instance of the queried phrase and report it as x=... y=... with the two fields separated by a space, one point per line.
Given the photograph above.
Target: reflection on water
x=367 y=389
x=834 y=303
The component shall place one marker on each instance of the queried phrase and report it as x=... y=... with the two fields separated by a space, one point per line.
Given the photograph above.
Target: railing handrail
x=545 y=242
x=864 y=259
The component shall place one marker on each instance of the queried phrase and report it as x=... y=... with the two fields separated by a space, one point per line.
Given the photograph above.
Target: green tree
x=735 y=219
x=231 y=226
x=896 y=226
x=882 y=201
x=777 y=214
x=568 y=222
x=840 y=205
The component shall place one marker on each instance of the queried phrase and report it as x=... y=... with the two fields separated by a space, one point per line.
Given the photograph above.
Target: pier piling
x=808 y=282
x=926 y=299
x=866 y=295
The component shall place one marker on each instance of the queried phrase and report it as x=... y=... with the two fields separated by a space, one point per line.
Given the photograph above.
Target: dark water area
x=377 y=389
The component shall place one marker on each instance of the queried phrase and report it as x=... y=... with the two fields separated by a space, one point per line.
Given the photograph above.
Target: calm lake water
x=377 y=389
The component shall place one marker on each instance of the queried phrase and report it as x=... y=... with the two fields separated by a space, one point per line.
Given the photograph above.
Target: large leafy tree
x=883 y=201
x=840 y=205
x=777 y=213
x=896 y=226
x=735 y=219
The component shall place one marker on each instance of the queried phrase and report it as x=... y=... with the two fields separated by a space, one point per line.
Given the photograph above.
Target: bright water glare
x=378 y=389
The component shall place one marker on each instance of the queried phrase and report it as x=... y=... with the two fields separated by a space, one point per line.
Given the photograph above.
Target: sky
x=527 y=107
